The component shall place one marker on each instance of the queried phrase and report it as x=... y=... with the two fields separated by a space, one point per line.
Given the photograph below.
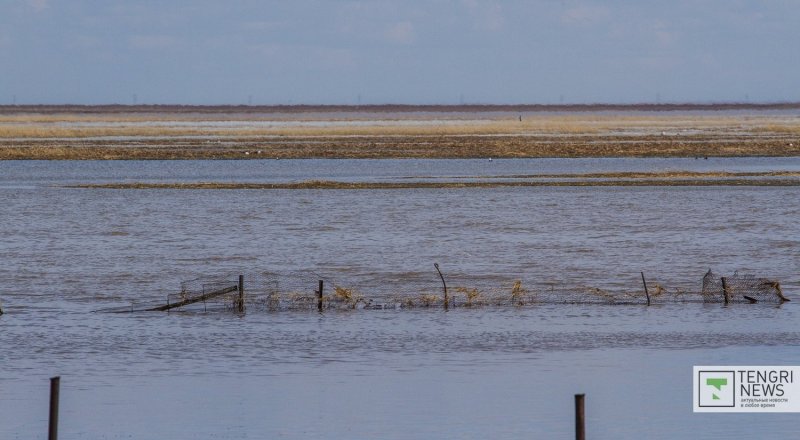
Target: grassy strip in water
x=386 y=147
x=327 y=184
x=625 y=175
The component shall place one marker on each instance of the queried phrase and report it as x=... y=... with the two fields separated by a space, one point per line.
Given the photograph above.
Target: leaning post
x=646 y=293
x=444 y=285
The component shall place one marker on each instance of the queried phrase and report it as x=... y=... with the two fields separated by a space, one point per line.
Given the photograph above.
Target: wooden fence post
x=241 y=294
x=725 y=292
x=580 y=422
x=319 y=295
x=55 y=384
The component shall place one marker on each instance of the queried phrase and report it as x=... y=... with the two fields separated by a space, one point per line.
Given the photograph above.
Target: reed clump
x=657 y=290
x=471 y=295
x=518 y=293
x=428 y=300
x=347 y=296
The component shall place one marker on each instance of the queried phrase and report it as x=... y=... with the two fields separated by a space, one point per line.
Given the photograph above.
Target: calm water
x=412 y=374
x=18 y=174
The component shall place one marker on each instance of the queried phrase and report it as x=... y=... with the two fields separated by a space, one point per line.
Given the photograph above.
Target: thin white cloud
x=660 y=62
x=486 y=16
x=309 y=56
x=263 y=25
x=663 y=34
x=85 y=42
x=665 y=38
x=585 y=15
x=401 y=33
x=38 y=5
x=152 y=41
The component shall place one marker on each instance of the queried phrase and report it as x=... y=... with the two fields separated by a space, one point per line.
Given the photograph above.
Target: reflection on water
x=468 y=373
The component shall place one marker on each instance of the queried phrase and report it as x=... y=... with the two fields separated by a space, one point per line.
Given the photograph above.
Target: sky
x=392 y=51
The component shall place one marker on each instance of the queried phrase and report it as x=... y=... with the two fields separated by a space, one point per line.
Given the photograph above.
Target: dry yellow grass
x=55 y=126
x=779 y=128
x=471 y=295
x=347 y=296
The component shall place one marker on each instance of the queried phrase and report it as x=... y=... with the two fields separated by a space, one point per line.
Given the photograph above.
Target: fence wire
x=275 y=291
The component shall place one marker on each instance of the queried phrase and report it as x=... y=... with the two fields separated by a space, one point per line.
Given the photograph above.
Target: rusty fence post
x=52 y=431
x=580 y=421
x=240 y=302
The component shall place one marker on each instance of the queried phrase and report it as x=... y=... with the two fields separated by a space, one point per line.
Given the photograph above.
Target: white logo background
x=733 y=399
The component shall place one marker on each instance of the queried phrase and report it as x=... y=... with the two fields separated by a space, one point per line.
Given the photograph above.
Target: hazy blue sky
x=437 y=51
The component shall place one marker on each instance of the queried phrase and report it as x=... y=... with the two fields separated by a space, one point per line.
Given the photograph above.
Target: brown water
x=466 y=373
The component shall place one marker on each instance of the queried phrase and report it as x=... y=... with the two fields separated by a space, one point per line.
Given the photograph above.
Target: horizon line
x=596 y=106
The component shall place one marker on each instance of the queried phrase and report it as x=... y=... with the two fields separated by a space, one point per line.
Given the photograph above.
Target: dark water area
x=488 y=372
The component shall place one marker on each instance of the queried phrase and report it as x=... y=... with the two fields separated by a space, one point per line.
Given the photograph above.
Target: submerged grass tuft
x=517 y=293
x=347 y=296
x=471 y=295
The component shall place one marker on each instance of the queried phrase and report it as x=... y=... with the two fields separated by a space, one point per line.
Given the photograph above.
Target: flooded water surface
x=422 y=373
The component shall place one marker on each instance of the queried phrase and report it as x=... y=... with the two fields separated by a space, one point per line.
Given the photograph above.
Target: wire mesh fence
x=308 y=290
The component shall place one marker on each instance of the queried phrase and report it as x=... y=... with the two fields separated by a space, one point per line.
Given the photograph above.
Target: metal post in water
x=241 y=294
x=55 y=384
x=319 y=296
x=580 y=422
x=725 y=290
x=646 y=293
x=444 y=285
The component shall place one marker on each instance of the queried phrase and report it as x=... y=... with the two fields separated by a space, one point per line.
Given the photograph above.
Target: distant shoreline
x=391 y=108
x=398 y=132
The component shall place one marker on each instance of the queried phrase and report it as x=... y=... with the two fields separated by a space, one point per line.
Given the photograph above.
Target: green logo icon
x=717 y=383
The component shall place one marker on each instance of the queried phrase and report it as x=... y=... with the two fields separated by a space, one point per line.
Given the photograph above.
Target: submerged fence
x=274 y=291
